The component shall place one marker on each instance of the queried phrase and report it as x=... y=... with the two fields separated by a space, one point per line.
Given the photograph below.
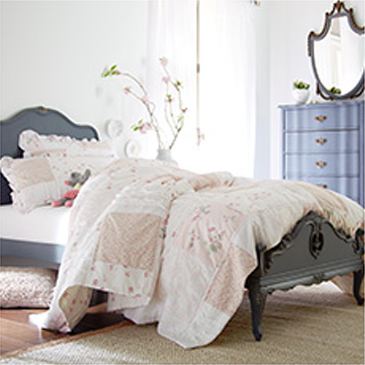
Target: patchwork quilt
x=174 y=247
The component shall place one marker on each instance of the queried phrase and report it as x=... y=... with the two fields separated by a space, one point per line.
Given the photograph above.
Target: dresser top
x=321 y=105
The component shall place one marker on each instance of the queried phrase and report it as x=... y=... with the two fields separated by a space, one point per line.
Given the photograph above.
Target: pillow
x=36 y=145
x=38 y=181
x=26 y=287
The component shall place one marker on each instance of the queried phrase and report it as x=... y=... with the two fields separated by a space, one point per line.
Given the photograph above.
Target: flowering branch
x=175 y=121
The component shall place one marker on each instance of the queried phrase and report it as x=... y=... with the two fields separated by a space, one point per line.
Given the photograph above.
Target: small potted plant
x=335 y=90
x=300 y=92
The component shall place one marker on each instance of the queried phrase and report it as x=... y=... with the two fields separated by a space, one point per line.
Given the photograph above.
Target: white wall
x=263 y=124
x=53 y=54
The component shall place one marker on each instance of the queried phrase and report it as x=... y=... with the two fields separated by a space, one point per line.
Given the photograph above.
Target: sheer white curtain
x=227 y=79
x=227 y=86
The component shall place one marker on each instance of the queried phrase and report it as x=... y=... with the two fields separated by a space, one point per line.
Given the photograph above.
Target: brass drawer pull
x=320 y=164
x=321 y=141
x=320 y=118
x=324 y=186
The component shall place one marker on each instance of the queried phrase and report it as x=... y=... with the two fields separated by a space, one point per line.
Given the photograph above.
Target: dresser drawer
x=348 y=186
x=304 y=165
x=322 y=118
x=322 y=142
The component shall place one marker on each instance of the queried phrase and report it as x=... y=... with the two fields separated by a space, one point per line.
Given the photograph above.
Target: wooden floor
x=16 y=333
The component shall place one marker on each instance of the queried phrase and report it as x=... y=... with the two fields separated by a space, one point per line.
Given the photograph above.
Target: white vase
x=165 y=155
x=300 y=96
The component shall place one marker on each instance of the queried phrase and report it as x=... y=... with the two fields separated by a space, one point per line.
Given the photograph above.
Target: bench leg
x=257 y=300
x=358 y=277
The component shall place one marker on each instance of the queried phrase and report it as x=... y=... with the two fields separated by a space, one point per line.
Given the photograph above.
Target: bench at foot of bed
x=314 y=251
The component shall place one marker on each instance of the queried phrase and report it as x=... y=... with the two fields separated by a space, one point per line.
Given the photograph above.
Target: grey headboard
x=42 y=120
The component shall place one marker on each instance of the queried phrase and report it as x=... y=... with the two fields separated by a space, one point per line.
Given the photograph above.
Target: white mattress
x=42 y=225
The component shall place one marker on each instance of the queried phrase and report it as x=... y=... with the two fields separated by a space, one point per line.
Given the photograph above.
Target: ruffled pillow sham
x=40 y=180
x=37 y=145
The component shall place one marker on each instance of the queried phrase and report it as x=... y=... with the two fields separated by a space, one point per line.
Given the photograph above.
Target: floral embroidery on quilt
x=208 y=235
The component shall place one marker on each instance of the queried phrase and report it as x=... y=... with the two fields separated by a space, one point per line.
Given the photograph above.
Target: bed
x=36 y=244
x=150 y=234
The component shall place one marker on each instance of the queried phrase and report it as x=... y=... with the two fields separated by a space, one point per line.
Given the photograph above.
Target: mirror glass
x=338 y=55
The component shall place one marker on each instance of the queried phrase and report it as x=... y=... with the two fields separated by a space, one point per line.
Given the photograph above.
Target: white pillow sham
x=37 y=145
x=40 y=180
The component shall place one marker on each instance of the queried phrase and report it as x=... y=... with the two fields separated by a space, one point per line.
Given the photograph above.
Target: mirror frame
x=339 y=10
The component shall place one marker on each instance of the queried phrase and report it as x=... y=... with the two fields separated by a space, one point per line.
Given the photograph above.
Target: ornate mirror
x=337 y=55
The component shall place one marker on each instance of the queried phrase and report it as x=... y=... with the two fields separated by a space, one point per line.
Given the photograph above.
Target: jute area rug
x=307 y=325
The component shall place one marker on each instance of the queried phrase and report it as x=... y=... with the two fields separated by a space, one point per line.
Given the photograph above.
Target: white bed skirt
x=42 y=225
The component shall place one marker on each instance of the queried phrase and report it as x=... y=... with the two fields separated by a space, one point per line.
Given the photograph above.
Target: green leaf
x=113 y=67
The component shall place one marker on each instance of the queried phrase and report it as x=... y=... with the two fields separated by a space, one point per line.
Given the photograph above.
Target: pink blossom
x=166 y=79
x=144 y=127
x=144 y=99
x=164 y=61
x=169 y=99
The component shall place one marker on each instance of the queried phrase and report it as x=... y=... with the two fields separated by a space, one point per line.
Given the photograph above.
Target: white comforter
x=174 y=247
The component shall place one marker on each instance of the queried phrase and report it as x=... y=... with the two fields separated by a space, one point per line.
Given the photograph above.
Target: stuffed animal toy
x=76 y=181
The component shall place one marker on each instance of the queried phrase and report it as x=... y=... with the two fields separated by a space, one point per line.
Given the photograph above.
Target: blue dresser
x=324 y=144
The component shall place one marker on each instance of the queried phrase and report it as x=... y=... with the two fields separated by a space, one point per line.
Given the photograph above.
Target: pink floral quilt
x=175 y=247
